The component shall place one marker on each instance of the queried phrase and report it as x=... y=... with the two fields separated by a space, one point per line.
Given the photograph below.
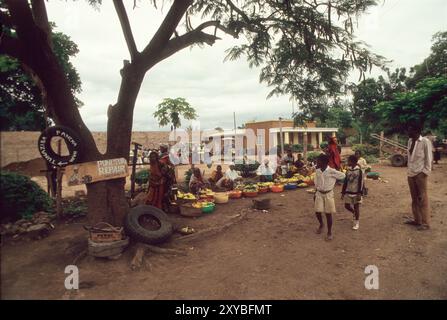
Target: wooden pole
x=381 y=144
x=305 y=146
x=281 y=137
x=59 y=184
x=134 y=168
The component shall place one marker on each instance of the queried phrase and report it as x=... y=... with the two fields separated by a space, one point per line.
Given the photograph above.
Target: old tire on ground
x=71 y=139
x=133 y=225
x=398 y=160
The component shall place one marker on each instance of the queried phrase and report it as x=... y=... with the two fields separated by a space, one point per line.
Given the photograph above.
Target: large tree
x=435 y=65
x=426 y=104
x=305 y=48
x=20 y=98
x=170 y=111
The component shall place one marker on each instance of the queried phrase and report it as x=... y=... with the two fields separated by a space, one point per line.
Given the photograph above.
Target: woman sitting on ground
x=197 y=182
x=216 y=175
x=229 y=179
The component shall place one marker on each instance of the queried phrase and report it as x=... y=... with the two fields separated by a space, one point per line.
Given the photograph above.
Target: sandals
x=423 y=227
x=412 y=223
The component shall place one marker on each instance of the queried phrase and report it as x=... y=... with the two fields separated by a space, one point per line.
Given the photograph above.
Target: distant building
x=267 y=133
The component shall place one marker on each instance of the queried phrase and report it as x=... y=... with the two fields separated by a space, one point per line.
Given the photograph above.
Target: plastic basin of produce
x=221 y=197
x=209 y=208
x=250 y=194
x=263 y=189
x=290 y=186
x=373 y=175
x=235 y=194
x=277 y=188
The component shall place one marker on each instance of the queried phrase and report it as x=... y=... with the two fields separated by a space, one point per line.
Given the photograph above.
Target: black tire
x=138 y=233
x=71 y=139
x=398 y=160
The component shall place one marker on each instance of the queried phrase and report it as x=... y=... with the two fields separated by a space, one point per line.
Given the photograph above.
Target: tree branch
x=176 y=44
x=125 y=26
x=20 y=15
x=239 y=11
x=6 y=20
x=219 y=26
x=167 y=28
x=41 y=18
x=13 y=47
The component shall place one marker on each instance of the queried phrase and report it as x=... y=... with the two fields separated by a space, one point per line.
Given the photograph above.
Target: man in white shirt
x=325 y=179
x=265 y=171
x=419 y=167
x=230 y=177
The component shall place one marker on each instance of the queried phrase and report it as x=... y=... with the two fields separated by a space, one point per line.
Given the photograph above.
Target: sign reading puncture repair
x=89 y=172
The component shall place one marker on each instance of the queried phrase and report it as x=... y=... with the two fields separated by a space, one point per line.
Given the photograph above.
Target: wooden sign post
x=90 y=172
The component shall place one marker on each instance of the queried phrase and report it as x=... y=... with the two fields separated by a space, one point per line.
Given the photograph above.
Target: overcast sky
x=400 y=30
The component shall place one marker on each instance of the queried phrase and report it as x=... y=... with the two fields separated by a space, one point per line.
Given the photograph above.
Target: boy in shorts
x=325 y=179
x=353 y=189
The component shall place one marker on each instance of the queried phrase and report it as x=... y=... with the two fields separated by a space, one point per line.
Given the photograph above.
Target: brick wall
x=18 y=146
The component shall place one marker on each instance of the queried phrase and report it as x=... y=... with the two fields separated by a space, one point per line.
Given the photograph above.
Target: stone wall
x=19 y=146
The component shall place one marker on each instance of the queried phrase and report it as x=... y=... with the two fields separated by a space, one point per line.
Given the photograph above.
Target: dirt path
x=273 y=255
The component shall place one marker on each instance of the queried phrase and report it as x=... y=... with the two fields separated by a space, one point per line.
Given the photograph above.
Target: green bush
x=366 y=149
x=294 y=147
x=297 y=148
x=312 y=156
x=323 y=145
x=75 y=207
x=371 y=159
x=20 y=197
x=188 y=175
x=142 y=177
x=246 y=168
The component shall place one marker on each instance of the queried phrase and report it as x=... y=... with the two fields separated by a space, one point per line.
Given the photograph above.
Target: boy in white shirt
x=325 y=179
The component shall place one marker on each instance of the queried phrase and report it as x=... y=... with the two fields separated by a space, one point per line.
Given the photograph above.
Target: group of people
x=420 y=160
x=161 y=178
x=327 y=174
x=218 y=178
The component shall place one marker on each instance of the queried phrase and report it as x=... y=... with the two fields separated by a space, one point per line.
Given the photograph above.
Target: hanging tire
x=398 y=160
x=71 y=139
x=136 y=220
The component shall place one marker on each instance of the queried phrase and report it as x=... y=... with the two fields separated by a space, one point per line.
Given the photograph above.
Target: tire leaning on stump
x=138 y=233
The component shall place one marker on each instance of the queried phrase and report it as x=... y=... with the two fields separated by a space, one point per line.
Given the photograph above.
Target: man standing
x=419 y=167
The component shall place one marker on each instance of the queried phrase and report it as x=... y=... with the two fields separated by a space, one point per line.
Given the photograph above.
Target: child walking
x=353 y=189
x=325 y=179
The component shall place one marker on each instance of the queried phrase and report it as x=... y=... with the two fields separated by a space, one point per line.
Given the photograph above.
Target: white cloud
x=398 y=29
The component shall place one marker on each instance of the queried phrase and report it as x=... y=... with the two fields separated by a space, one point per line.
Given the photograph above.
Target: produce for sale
x=201 y=204
x=186 y=196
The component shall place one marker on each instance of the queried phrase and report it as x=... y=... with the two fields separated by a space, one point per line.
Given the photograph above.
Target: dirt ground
x=274 y=255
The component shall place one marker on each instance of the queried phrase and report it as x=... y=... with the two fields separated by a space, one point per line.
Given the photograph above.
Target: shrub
x=188 y=175
x=20 y=197
x=246 y=168
x=312 y=156
x=371 y=159
x=366 y=149
x=142 y=177
x=324 y=145
x=297 y=148
x=75 y=207
x=294 y=147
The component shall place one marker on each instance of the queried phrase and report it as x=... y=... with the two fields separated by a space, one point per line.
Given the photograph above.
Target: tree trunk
x=107 y=202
